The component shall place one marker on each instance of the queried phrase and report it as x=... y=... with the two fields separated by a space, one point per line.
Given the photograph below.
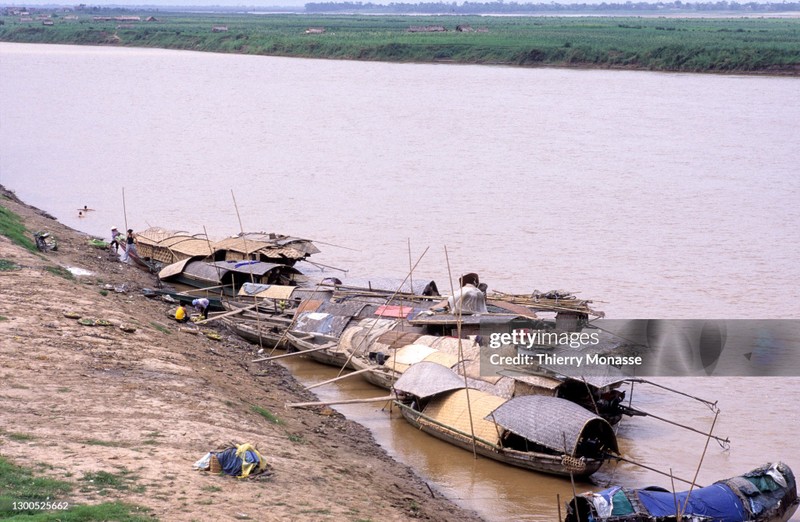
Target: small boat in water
x=544 y=434
x=766 y=494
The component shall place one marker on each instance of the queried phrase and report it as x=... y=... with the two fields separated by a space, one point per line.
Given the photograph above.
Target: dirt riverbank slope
x=144 y=406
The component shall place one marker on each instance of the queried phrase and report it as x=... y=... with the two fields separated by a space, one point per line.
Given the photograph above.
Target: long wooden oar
x=293 y=354
x=654 y=470
x=226 y=314
x=329 y=381
x=348 y=401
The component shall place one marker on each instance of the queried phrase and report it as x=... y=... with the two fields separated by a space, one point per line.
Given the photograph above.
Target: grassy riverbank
x=741 y=45
x=97 y=423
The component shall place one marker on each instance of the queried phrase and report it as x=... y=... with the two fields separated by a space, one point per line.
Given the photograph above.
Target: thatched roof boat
x=395 y=351
x=267 y=247
x=766 y=494
x=169 y=246
x=229 y=276
x=539 y=433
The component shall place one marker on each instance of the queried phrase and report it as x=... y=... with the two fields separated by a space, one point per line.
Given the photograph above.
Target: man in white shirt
x=466 y=300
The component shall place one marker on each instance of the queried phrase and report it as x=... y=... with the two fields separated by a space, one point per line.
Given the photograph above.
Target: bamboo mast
x=252 y=276
x=699 y=464
x=124 y=210
x=410 y=268
x=461 y=351
x=391 y=298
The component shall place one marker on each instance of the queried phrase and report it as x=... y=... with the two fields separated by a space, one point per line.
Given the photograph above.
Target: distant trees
x=501 y=7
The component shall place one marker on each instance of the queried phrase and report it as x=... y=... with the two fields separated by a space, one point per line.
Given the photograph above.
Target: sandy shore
x=145 y=405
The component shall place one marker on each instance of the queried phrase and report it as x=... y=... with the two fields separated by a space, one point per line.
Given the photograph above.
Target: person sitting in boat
x=115 y=239
x=180 y=314
x=467 y=300
x=201 y=305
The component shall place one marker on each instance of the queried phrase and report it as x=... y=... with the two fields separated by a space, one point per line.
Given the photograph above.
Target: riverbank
x=143 y=406
x=708 y=45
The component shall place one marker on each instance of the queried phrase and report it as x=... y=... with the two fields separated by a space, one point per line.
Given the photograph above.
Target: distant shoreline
x=672 y=42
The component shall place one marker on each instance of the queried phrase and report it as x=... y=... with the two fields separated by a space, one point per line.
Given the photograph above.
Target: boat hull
x=311 y=343
x=541 y=462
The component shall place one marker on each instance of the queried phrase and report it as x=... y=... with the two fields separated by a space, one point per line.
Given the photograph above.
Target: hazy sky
x=295 y=3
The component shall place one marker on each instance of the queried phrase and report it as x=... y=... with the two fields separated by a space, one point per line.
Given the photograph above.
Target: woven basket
x=214 y=465
x=573 y=464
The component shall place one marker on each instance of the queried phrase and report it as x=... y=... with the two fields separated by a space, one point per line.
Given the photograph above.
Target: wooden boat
x=544 y=434
x=319 y=328
x=228 y=276
x=765 y=494
x=320 y=347
x=138 y=260
x=266 y=332
x=391 y=354
x=335 y=349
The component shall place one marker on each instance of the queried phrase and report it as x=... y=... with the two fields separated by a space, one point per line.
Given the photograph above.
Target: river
x=657 y=195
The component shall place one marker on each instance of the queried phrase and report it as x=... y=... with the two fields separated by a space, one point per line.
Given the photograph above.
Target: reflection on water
x=657 y=195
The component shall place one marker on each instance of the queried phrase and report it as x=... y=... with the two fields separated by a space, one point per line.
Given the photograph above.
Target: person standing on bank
x=130 y=245
x=116 y=237
x=201 y=305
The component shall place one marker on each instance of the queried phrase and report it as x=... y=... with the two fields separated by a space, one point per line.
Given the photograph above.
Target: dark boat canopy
x=223 y=272
x=426 y=379
x=557 y=424
x=768 y=493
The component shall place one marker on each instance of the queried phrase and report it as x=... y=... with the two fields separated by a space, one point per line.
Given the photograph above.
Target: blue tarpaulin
x=717 y=501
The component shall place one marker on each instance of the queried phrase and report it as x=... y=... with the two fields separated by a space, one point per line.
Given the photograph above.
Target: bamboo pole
x=558 y=502
x=335 y=379
x=204 y=289
x=286 y=331
x=344 y=401
x=124 y=210
x=211 y=253
x=410 y=268
x=654 y=470
x=571 y=478
x=353 y=351
x=699 y=464
x=244 y=239
x=337 y=246
x=461 y=352
x=226 y=314
x=712 y=405
x=317 y=264
x=720 y=439
x=293 y=354
x=674 y=495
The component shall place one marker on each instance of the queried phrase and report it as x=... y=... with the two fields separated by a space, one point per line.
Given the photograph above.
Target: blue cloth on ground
x=230 y=463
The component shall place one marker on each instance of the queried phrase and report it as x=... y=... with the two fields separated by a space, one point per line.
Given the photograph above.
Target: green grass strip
x=11 y=227
x=20 y=490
